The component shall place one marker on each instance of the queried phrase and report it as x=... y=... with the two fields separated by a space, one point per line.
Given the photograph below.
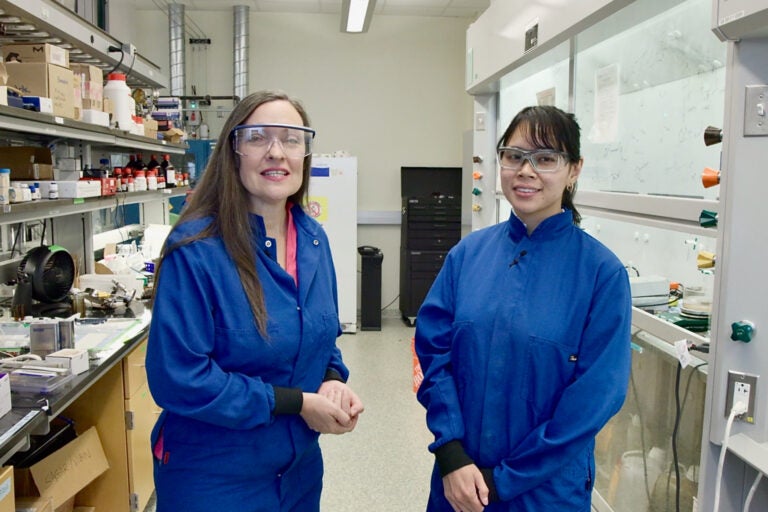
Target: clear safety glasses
x=542 y=160
x=255 y=140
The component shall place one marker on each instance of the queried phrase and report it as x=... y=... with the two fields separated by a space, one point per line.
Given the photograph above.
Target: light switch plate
x=756 y=111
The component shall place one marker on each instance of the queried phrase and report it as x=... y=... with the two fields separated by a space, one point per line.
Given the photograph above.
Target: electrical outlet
x=741 y=388
x=128 y=49
x=741 y=393
x=479 y=121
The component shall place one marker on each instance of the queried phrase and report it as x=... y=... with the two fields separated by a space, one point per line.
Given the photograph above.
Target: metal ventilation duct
x=176 y=31
x=242 y=13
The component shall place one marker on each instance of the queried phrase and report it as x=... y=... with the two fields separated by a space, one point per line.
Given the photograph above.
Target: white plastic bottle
x=152 y=179
x=123 y=104
x=5 y=186
x=140 y=179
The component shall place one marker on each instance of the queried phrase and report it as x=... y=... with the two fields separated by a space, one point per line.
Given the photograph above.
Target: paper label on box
x=5 y=488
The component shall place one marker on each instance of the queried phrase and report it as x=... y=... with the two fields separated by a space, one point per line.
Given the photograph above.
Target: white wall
x=392 y=97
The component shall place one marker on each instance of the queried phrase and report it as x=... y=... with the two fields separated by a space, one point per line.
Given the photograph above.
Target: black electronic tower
x=430 y=226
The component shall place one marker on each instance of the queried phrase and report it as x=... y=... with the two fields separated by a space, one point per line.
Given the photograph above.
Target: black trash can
x=370 y=288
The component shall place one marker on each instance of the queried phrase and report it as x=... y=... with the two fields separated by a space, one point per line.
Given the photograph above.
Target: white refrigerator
x=333 y=203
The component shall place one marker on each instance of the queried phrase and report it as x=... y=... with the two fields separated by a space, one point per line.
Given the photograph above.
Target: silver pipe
x=176 y=31
x=240 y=78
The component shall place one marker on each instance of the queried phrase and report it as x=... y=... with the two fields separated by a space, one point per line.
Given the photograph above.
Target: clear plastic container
x=40 y=382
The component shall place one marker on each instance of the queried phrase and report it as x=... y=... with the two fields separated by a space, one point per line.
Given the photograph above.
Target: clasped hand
x=465 y=489
x=334 y=409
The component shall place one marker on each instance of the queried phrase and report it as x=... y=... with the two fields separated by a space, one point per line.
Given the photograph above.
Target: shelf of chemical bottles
x=46 y=208
x=46 y=21
x=43 y=127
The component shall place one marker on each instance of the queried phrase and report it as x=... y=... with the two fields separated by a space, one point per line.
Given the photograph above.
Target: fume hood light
x=356 y=15
x=477 y=159
x=710 y=177
x=476 y=207
x=476 y=191
x=477 y=175
x=713 y=135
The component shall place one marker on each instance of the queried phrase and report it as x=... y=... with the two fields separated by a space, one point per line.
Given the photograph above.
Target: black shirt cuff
x=451 y=456
x=493 y=495
x=288 y=400
x=331 y=374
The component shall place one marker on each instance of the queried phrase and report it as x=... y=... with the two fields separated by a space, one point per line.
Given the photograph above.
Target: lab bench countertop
x=108 y=340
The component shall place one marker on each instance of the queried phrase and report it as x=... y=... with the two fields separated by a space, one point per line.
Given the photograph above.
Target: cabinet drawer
x=134 y=371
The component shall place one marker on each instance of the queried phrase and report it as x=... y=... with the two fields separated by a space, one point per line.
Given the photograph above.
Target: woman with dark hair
x=242 y=352
x=524 y=339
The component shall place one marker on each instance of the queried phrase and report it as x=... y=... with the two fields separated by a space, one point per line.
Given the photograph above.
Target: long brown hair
x=221 y=196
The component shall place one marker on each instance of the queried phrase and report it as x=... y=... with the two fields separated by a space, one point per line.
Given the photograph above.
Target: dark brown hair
x=548 y=127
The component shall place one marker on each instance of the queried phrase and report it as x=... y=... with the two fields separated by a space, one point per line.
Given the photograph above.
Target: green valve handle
x=708 y=219
x=742 y=331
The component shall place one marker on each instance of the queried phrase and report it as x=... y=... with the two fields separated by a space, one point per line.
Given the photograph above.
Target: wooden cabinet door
x=141 y=413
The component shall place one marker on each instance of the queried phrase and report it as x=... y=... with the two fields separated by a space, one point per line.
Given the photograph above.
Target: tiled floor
x=384 y=463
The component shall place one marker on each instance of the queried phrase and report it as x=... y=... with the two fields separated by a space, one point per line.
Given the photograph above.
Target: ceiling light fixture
x=356 y=15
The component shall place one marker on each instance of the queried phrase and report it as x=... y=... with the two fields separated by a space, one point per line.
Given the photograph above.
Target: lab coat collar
x=549 y=228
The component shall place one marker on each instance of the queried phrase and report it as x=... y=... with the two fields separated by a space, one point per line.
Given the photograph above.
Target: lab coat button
x=316 y=242
x=268 y=243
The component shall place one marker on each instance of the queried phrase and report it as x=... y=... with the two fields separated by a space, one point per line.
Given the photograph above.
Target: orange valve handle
x=710 y=177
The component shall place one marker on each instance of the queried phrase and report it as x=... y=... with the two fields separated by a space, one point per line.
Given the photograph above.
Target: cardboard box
x=77 y=96
x=96 y=117
x=41 y=79
x=43 y=53
x=5 y=395
x=65 y=472
x=66 y=175
x=27 y=162
x=41 y=104
x=91 y=86
x=150 y=128
x=87 y=72
x=174 y=135
x=7 y=497
x=72 y=189
x=33 y=504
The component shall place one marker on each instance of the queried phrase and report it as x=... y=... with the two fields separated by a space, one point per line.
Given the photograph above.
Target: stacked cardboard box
x=89 y=86
x=42 y=70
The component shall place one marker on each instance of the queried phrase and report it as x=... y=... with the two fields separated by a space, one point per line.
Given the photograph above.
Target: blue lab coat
x=524 y=342
x=214 y=375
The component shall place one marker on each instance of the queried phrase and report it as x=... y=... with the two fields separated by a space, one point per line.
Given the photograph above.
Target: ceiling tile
x=415 y=3
x=308 y=6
